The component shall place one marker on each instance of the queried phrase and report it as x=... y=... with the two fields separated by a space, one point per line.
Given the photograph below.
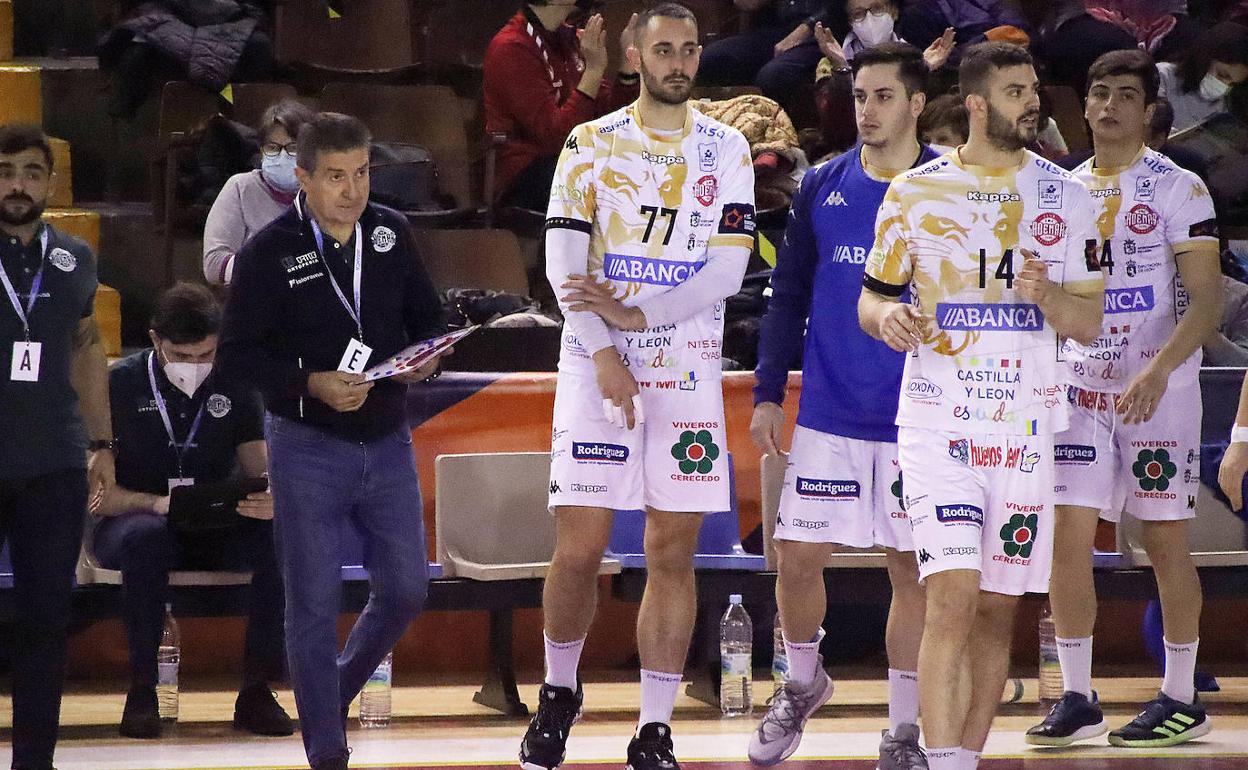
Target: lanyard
x=353 y=311
x=179 y=449
x=24 y=312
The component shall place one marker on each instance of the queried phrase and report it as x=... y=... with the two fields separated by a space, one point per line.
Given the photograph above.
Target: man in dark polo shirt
x=330 y=288
x=55 y=436
x=177 y=425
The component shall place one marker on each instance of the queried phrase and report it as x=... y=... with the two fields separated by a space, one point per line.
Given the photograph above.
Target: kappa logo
x=383 y=239
x=571 y=145
x=835 y=198
x=924 y=556
x=218 y=405
x=554 y=487
x=662 y=160
x=62 y=260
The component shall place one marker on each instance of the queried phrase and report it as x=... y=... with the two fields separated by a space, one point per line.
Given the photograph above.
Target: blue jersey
x=850 y=381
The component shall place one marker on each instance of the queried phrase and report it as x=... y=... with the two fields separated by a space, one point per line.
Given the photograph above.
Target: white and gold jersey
x=659 y=208
x=989 y=361
x=1146 y=213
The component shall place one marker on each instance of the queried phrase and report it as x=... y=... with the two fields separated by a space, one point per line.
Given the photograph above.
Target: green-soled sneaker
x=1163 y=722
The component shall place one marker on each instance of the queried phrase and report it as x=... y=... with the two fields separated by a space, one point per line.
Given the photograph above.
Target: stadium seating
x=474 y=259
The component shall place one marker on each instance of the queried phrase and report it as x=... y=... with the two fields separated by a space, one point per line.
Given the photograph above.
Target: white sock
x=945 y=759
x=803 y=660
x=1075 y=655
x=903 y=699
x=658 y=696
x=970 y=759
x=562 y=659
x=1180 y=671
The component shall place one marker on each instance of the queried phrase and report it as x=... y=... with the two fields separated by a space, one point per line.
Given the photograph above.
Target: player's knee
x=996 y=611
x=802 y=561
x=669 y=559
x=578 y=558
x=951 y=599
x=1166 y=539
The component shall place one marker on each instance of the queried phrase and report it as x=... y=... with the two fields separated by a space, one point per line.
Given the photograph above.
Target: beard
x=674 y=90
x=33 y=210
x=1010 y=136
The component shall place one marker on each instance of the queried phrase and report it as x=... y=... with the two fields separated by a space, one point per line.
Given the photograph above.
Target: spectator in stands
x=542 y=79
x=777 y=53
x=1198 y=84
x=1076 y=32
x=340 y=448
x=177 y=424
x=54 y=430
x=944 y=123
x=923 y=22
x=1229 y=345
x=251 y=200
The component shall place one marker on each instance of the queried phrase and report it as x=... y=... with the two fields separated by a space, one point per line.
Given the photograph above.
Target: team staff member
x=1235 y=463
x=1135 y=405
x=55 y=434
x=659 y=200
x=177 y=424
x=328 y=289
x=846 y=424
x=996 y=244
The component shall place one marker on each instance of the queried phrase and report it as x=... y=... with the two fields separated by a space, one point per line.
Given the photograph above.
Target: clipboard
x=415 y=356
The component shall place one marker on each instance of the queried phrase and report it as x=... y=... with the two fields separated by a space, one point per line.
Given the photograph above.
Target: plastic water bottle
x=168 y=656
x=1050 y=666
x=779 y=657
x=736 y=636
x=375 y=698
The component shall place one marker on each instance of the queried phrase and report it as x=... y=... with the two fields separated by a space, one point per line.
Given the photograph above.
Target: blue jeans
x=320 y=481
x=145 y=549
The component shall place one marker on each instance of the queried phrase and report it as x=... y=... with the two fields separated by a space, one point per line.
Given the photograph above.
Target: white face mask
x=187 y=377
x=874 y=29
x=1213 y=89
x=279 y=170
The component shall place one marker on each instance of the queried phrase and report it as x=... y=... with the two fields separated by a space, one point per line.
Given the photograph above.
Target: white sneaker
x=780 y=732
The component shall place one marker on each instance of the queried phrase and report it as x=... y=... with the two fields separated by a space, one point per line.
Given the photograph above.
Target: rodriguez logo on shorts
x=600 y=453
x=1067 y=454
x=960 y=515
x=829 y=489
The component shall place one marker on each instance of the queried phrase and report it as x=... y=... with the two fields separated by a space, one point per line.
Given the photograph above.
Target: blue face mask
x=279 y=170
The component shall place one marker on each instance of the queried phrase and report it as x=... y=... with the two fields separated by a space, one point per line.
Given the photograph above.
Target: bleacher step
x=6 y=30
x=21 y=98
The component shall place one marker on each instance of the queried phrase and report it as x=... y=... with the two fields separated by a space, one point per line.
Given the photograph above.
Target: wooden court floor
x=438 y=725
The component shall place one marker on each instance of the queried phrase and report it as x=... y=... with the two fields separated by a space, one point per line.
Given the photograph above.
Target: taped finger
x=638 y=414
x=608 y=410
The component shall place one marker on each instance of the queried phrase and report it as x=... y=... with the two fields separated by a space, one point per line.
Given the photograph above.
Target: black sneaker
x=1072 y=718
x=651 y=749
x=546 y=741
x=141 y=717
x=1163 y=722
x=257 y=711
x=333 y=763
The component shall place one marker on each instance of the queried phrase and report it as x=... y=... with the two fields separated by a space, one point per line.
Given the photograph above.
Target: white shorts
x=981 y=502
x=677 y=460
x=843 y=490
x=1151 y=469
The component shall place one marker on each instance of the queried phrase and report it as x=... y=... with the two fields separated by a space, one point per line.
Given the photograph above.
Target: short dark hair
x=666 y=11
x=1226 y=42
x=330 y=132
x=290 y=114
x=186 y=313
x=1128 y=61
x=909 y=60
x=1163 y=117
x=980 y=61
x=15 y=137
x=945 y=110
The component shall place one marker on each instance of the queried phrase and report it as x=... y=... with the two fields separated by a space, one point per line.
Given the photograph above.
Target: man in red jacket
x=543 y=78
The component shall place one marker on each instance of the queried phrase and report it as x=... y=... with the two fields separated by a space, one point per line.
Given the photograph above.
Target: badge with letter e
x=355 y=357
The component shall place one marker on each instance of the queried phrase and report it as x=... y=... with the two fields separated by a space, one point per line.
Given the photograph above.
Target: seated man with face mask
x=176 y=425
x=251 y=200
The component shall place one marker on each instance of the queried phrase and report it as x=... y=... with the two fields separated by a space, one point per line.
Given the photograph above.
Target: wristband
x=1239 y=434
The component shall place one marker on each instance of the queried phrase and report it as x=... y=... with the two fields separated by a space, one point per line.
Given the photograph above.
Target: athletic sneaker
x=900 y=750
x=778 y=734
x=1072 y=718
x=651 y=749
x=1163 y=722
x=545 y=742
